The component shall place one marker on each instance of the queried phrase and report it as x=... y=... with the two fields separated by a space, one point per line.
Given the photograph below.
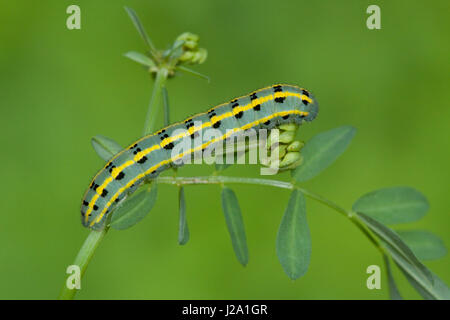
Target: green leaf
x=183 y=231
x=137 y=23
x=105 y=147
x=390 y=238
x=134 y=209
x=321 y=151
x=393 y=205
x=235 y=224
x=435 y=290
x=192 y=72
x=424 y=244
x=140 y=58
x=293 y=238
x=394 y=294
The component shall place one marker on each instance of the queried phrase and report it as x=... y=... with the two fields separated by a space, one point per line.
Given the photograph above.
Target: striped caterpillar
x=265 y=108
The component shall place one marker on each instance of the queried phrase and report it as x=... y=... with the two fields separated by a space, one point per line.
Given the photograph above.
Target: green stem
x=214 y=179
x=82 y=260
x=94 y=238
x=150 y=119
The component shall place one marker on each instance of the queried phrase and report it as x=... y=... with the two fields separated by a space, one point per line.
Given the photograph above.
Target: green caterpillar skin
x=266 y=108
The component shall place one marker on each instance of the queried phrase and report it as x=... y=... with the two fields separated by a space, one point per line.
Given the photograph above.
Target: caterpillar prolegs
x=146 y=158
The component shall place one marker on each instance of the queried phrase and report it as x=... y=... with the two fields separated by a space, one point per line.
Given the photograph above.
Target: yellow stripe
x=181 y=155
x=190 y=131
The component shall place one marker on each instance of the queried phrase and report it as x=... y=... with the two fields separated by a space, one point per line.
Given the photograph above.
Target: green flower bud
x=201 y=55
x=186 y=56
x=187 y=36
x=190 y=45
x=287 y=137
x=288 y=127
x=295 y=146
x=290 y=159
x=281 y=150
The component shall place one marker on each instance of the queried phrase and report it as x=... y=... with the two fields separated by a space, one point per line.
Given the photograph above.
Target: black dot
x=234 y=100
x=142 y=160
x=82 y=213
x=120 y=175
x=280 y=99
x=95 y=207
x=267 y=122
x=305 y=102
x=306 y=93
x=194 y=135
x=277 y=88
x=235 y=105
x=117 y=200
x=104 y=193
x=169 y=146
x=257 y=107
x=85 y=203
x=153 y=172
x=216 y=125
x=239 y=115
x=285 y=117
x=253 y=96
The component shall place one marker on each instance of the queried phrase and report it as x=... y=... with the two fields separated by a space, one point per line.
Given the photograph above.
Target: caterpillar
x=144 y=159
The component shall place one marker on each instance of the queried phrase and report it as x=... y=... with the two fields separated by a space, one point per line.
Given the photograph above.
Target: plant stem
x=94 y=238
x=150 y=119
x=223 y=179
x=214 y=179
x=82 y=260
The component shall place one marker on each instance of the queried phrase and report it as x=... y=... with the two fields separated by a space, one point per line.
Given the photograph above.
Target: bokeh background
x=60 y=87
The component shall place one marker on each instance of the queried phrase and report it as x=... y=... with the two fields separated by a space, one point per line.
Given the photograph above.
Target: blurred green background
x=60 y=87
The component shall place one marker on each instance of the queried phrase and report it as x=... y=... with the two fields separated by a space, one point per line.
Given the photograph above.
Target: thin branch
x=83 y=258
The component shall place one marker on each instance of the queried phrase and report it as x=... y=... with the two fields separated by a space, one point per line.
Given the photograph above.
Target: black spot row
x=280 y=99
x=189 y=123
x=306 y=93
x=277 y=88
x=235 y=105
x=211 y=114
x=142 y=160
x=94 y=186
x=120 y=176
x=164 y=136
